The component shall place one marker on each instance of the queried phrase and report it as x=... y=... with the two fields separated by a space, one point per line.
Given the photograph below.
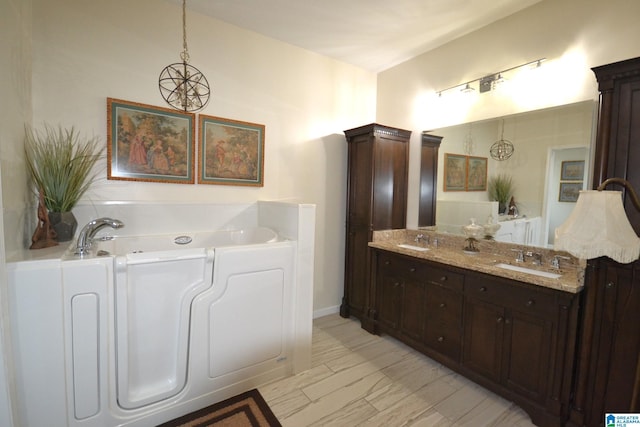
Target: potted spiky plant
x=500 y=188
x=60 y=164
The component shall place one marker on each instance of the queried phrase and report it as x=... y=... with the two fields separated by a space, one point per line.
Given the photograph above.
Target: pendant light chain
x=185 y=50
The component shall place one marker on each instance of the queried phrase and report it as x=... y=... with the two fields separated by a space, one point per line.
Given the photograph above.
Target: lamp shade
x=598 y=226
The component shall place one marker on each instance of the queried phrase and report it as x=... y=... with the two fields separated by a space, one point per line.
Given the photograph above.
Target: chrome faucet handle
x=421 y=237
x=555 y=262
x=537 y=257
x=519 y=255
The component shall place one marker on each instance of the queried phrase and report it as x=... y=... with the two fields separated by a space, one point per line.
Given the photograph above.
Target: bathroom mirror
x=550 y=163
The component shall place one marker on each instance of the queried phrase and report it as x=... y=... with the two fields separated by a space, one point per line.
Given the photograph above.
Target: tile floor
x=359 y=379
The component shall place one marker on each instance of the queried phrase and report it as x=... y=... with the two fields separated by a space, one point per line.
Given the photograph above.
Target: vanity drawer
x=443 y=306
x=443 y=277
x=521 y=297
x=400 y=266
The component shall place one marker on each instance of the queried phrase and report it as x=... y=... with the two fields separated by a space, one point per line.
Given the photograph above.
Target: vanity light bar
x=489 y=82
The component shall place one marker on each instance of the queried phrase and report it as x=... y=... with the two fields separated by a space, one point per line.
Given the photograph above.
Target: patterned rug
x=244 y=410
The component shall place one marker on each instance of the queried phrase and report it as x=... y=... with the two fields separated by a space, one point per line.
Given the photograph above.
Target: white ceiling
x=371 y=34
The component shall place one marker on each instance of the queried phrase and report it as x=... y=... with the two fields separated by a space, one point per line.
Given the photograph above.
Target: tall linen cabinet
x=378 y=160
x=608 y=365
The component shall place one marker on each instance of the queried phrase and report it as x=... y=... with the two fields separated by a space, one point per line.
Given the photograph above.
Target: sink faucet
x=555 y=262
x=519 y=255
x=513 y=210
x=421 y=237
x=88 y=232
x=537 y=257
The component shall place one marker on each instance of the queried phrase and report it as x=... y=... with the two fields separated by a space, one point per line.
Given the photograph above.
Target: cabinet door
x=357 y=269
x=617 y=349
x=527 y=346
x=483 y=332
x=389 y=290
x=390 y=192
x=412 y=309
x=360 y=180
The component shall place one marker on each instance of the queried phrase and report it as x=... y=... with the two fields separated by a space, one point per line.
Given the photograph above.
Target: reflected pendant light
x=502 y=149
x=183 y=86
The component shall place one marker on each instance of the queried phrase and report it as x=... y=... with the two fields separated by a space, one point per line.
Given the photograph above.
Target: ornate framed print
x=476 y=173
x=455 y=172
x=572 y=170
x=569 y=191
x=231 y=152
x=148 y=143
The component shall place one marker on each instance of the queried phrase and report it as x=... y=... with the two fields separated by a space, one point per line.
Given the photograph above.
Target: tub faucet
x=88 y=232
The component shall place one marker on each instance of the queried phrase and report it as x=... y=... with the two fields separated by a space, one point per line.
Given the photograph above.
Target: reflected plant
x=500 y=188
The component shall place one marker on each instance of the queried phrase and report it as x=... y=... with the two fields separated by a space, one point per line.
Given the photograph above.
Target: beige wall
x=86 y=51
x=574 y=35
x=15 y=111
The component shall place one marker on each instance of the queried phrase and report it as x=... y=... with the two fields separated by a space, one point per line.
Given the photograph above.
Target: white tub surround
x=138 y=338
x=522 y=231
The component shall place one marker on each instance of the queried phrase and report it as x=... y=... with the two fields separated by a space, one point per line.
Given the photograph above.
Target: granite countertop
x=450 y=251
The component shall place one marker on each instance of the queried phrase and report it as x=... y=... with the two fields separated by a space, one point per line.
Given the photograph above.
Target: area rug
x=248 y=409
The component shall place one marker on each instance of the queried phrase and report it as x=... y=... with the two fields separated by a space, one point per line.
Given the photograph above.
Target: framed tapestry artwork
x=572 y=170
x=231 y=152
x=148 y=143
x=476 y=173
x=455 y=172
x=569 y=191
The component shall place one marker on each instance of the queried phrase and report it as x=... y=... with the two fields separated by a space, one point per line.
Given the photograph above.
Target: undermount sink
x=528 y=271
x=412 y=247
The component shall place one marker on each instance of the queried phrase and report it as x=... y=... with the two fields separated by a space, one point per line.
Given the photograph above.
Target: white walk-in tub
x=153 y=327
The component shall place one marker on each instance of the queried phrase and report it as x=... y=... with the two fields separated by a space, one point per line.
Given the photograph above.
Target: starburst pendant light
x=183 y=86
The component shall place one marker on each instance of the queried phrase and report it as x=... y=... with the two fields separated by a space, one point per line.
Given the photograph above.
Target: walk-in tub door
x=153 y=310
x=249 y=309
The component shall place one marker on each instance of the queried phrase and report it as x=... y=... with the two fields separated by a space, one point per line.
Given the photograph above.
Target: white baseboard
x=326 y=311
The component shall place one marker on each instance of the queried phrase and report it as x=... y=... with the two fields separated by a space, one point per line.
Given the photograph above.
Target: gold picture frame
x=149 y=143
x=231 y=152
x=476 y=174
x=455 y=172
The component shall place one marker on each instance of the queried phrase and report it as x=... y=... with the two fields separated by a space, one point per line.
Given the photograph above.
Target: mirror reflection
x=549 y=164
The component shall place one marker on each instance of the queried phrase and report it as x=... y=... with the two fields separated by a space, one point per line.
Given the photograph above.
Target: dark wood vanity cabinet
x=419 y=304
x=511 y=331
x=514 y=338
x=378 y=158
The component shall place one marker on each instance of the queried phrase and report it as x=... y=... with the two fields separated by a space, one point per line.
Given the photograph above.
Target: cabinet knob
x=610 y=285
x=442 y=305
x=483 y=289
x=412 y=269
x=443 y=278
x=531 y=303
x=387 y=262
x=499 y=319
x=440 y=339
x=396 y=284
